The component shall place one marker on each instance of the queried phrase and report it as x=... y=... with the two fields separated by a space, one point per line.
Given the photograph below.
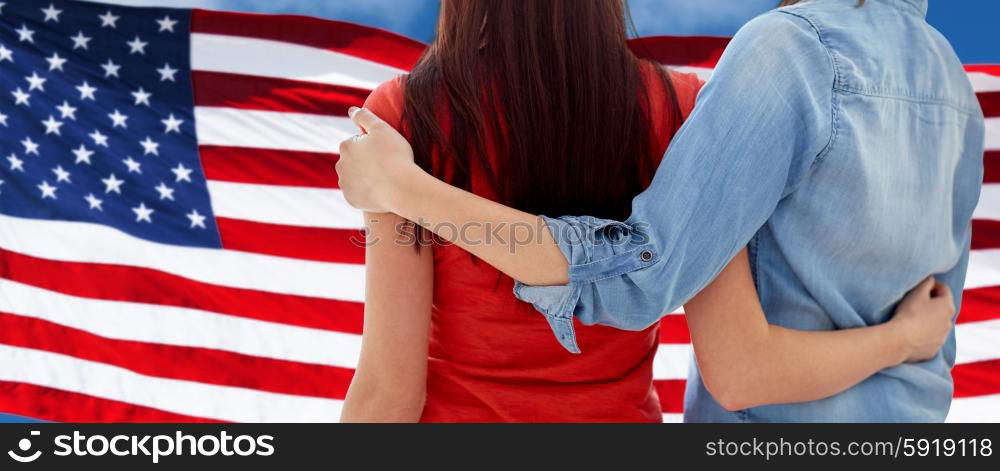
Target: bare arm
x=745 y=362
x=390 y=382
x=517 y=243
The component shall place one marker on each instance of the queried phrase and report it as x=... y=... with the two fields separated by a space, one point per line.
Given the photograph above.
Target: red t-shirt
x=494 y=358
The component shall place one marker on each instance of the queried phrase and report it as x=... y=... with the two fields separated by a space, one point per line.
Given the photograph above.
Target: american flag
x=173 y=246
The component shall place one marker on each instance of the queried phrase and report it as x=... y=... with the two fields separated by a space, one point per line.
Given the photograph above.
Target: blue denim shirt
x=844 y=146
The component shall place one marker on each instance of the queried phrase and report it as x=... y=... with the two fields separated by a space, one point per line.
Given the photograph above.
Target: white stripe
x=182 y=327
x=226 y=403
x=292 y=206
x=989 y=203
x=93 y=243
x=702 y=72
x=271 y=129
x=984 y=269
x=976 y=410
x=992 y=133
x=983 y=82
x=672 y=361
x=978 y=341
x=275 y=59
x=673 y=418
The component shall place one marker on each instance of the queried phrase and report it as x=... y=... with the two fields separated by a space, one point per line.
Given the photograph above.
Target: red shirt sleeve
x=687 y=86
x=387 y=101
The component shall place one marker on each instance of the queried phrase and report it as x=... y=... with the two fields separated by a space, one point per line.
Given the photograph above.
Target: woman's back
x=493 y=358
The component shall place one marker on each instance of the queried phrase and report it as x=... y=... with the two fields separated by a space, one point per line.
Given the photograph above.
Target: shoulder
x=687 y=86
x=778 y=32
x=781 y=20
x=388 y=100
x=781 y=49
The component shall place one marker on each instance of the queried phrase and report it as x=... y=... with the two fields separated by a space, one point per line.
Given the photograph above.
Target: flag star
x=141 y=97
x=81 y=41
x=150 y=147
x=167 y=73
x=2 y=4
x=52 y=126
x=142 y=213
x=51 y=13
x=67 y=111
x=48 y=191
x=30 y=147
x=133 y=166
x=99 y=139
x=94 y=202
x=197 y=220
x=83 y=154
x=21 y=98
x=112 y=184
x=137 y=45
x=6 y=54
x=172 y=124
x=3 y=119
x=109 y=19
x=118 y=119
x=183 y=173
x=15 y=163
x=111 y=69
x=166 y=193
x=167 y=24
x=1 y=187
x=36 y=82
x=25 y=34
x=55 y=62
x=61 y=174
x=86 y=91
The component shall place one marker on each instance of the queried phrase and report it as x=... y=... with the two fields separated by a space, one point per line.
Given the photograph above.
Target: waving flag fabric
x=173 y=245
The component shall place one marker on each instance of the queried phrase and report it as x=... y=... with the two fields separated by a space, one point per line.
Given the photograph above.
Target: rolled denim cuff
x=595 y=249
x=556 y=304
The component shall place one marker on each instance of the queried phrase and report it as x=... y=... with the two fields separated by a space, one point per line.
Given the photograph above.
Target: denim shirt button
x=646 y=256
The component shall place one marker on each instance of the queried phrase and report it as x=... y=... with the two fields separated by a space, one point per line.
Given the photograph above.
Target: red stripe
x=199 y=365
x=272 y=94
x=28 y=400
x=674 y=329
x=671 y=392
x=977 y=379
x=143 y=285
x=985 y=234
x=694 y=51
x=992 y=69
x=990 y=101
x=305 y=243
x=980 y=304
x=991 y=166
x=269 y=167
x=359 y=41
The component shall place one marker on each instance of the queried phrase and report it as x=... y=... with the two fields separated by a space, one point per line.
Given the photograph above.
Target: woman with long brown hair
x=533 y=103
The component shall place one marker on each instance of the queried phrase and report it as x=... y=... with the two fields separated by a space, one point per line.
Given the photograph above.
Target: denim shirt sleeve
x=761 y=123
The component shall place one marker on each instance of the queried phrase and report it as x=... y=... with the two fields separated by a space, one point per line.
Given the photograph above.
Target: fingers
x=941 y=290
x=347 y=145
x=942 y=293
x=365 y=119
x=925 y=288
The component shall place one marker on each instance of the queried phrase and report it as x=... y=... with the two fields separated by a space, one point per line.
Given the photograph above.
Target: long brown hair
x=553 y=88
